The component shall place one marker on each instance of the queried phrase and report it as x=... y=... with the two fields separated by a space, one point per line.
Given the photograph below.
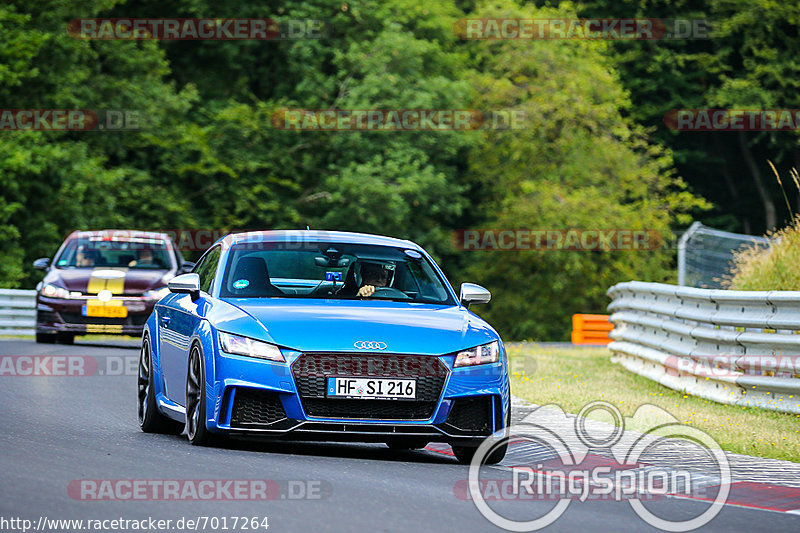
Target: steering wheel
x=390 y=292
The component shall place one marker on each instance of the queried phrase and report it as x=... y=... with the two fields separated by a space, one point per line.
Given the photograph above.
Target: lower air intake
x=255 y=408
x=472 y=415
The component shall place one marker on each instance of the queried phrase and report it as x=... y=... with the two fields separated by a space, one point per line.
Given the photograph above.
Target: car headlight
x=234 y=344
x=156 y=294
x=480 y=355
x=51 y=291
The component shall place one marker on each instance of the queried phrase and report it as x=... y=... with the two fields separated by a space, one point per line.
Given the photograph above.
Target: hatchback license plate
x=109 y=311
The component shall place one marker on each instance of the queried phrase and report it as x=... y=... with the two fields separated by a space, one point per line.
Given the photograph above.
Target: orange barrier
x=591 y=329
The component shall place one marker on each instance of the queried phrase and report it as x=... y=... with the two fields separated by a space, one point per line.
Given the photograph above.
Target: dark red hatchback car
x=104 y=282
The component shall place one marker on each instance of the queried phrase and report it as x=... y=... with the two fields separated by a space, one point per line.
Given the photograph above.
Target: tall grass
x=776 y=267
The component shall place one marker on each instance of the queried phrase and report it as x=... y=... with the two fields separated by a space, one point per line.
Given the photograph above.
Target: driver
x=145 y=259
x=373 y=275
x=84 y=258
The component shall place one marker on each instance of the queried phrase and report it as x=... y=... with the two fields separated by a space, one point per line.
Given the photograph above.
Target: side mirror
x=474 y=294
x=185 y=284
x=185 y=267
x=41 y=263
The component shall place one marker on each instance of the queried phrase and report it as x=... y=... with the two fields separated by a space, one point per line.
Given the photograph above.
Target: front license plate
x=116 y=311
x=372 y=388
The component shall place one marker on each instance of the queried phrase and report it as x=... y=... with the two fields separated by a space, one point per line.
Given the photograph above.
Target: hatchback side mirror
x=42 y=263
x=474 y=294
x=185 y=284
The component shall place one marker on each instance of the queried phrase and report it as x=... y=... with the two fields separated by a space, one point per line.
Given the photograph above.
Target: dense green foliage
x=749 y=62
x=208 y=157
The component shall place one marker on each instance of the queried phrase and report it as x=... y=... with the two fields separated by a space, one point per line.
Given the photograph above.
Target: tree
x=577 y=163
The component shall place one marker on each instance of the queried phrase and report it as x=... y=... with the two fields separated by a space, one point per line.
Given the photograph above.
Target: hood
x=117 y=280
x=336 y=325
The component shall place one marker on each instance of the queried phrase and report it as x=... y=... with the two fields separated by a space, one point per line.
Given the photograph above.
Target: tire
x=196 y=428
x=45 y=338
x=406 y=444
x=150 y=419
x=65 y=338
x=464 y=454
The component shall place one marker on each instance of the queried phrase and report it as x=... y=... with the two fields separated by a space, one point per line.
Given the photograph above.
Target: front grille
x=130 y=320
x=256 y=408
x=311 y=371
x=47 y=316
x=472 y=415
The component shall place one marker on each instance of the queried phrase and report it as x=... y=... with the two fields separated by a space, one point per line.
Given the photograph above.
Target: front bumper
x=255 y=397
x=62 y=315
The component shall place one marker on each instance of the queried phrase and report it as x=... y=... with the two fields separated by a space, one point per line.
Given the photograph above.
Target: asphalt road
x=60 y=430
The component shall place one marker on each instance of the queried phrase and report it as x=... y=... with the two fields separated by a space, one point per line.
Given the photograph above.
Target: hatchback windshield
x=327 y=270
x=96 y=252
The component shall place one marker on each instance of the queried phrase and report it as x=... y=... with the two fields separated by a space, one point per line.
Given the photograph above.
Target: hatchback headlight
x=51 y=291
x=480 y=355
x=234 y=344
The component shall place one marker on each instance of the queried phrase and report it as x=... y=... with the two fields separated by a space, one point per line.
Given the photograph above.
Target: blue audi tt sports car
x=323 y=335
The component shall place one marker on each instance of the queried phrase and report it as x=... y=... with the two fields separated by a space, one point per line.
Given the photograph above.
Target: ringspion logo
x=573 y=471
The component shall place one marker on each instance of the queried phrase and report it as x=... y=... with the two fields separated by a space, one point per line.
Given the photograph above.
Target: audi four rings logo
x=370 y=345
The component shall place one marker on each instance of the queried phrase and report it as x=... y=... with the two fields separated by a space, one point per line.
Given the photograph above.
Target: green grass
x=573 y=377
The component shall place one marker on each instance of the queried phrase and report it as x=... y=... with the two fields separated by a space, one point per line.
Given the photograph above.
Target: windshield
x=93 y=252
x=327 y=270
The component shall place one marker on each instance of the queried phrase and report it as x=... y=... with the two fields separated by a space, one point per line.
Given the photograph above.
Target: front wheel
x=464 y=454
x=196 y=428
x=150 y=419
x=45 y=338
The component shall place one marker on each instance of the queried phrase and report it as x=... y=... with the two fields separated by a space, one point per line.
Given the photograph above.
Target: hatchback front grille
x=131 y=320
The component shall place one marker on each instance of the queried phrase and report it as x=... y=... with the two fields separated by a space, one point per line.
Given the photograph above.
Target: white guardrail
x=17 y=312
x=734 y=347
